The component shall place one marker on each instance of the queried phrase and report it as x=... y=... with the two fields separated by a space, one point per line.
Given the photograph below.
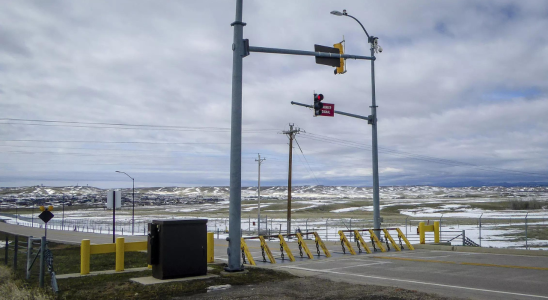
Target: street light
x=373 y=121
x=133 y=212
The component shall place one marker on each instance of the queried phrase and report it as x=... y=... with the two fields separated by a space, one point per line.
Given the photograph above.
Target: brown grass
x=13 y=289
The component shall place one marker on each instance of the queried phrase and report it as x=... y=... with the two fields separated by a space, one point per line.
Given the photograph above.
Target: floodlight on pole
x=133 y=211
x=373 y=41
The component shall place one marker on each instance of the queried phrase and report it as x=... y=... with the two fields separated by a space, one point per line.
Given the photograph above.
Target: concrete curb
x=481 y=250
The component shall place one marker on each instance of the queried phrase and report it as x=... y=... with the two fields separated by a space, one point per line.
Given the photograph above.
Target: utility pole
x=291 y=134
x=259 y=160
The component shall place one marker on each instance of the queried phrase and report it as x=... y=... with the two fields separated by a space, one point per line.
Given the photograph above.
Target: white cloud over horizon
x=461 y=88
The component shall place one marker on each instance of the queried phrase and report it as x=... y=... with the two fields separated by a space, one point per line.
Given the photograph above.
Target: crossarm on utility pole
x=307 y=53
x=336 y=111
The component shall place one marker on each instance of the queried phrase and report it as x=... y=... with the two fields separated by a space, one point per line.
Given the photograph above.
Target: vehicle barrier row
x=375 y=242
x=265 y=250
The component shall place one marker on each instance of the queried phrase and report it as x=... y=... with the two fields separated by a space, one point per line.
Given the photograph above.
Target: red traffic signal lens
x=319 y=97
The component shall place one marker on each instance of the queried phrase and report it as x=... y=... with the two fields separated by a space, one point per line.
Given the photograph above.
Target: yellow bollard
x=119 y=254
x=84 y=257
x=436 y=231
x=210 y=247
x=421 y=233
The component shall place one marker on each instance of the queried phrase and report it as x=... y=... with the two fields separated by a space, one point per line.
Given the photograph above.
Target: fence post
x=84 y=257
x=15 y=250
x=526 y=246
x=120 y=254
x=42 y=261
x=480 y=228
x=464 y=237
x=6 y=250
x=351 y=232
x=29 y=257
x=406 y=225
x=440 y=225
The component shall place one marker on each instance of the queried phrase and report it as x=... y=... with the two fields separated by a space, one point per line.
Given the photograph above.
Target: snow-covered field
x=488 y=212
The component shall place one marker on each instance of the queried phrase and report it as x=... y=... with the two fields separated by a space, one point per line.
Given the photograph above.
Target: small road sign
x=45 y=216
x=328 y=110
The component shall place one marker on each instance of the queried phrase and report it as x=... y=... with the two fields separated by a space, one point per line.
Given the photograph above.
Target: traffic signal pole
x=375 y=150
x=307 y=53
x=235 y=207
x=367 y=118
x=240 y=49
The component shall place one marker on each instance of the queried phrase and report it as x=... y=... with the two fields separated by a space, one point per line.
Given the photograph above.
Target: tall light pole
x=259 y=160
x=373 y=121
x=133 y=212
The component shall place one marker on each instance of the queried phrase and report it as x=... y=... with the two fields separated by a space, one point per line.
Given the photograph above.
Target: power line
x=121 y=124
x=111 y=142
x=310 y=169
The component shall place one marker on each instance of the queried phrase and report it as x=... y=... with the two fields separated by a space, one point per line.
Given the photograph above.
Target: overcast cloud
x=461 y=89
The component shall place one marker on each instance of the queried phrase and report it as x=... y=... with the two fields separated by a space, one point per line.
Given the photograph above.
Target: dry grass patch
x=11 y=288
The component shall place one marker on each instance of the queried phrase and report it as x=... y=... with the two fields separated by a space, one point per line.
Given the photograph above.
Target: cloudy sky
x=91 y=87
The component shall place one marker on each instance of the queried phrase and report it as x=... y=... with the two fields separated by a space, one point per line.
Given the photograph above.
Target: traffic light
x=338 y=63
x=340 y=68
x=318 y=105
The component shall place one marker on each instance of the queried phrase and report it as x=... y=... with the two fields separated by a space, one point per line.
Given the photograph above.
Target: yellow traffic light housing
x=341 y=68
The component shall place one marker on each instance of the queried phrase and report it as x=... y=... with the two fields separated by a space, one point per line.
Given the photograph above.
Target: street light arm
x=126 y=174
x=368 y=37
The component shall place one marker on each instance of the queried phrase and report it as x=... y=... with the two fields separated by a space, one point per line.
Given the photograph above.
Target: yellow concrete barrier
x=423 y=228
x=120 y=254
x=120 y=247
x=210 y=247
x=84 y=257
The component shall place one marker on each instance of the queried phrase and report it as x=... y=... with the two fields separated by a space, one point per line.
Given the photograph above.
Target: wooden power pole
x=291 y=134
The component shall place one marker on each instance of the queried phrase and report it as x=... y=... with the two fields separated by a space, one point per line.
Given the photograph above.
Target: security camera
x=380 y=49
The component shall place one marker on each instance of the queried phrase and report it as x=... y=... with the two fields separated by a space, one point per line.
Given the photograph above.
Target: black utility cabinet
x=177 y=248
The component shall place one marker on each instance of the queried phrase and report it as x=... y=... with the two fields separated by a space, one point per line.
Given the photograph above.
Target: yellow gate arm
x=286 y=248
x=320 y=242
x=401 y=235
x=305 y=247
x=347 y=243
x=267 y=250
x=374 y=237
x=362 y=242
x=246 y=251
x=387 y=235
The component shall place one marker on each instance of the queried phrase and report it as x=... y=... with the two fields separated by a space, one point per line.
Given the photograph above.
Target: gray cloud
x=460 y=80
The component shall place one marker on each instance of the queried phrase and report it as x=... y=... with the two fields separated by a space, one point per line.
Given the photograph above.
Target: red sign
x=328 y=110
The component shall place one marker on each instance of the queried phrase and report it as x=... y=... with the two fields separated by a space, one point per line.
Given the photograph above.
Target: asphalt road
x=447 y=273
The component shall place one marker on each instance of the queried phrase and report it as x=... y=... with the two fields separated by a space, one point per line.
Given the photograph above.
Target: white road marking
x=370 y=264
x=417 y=282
